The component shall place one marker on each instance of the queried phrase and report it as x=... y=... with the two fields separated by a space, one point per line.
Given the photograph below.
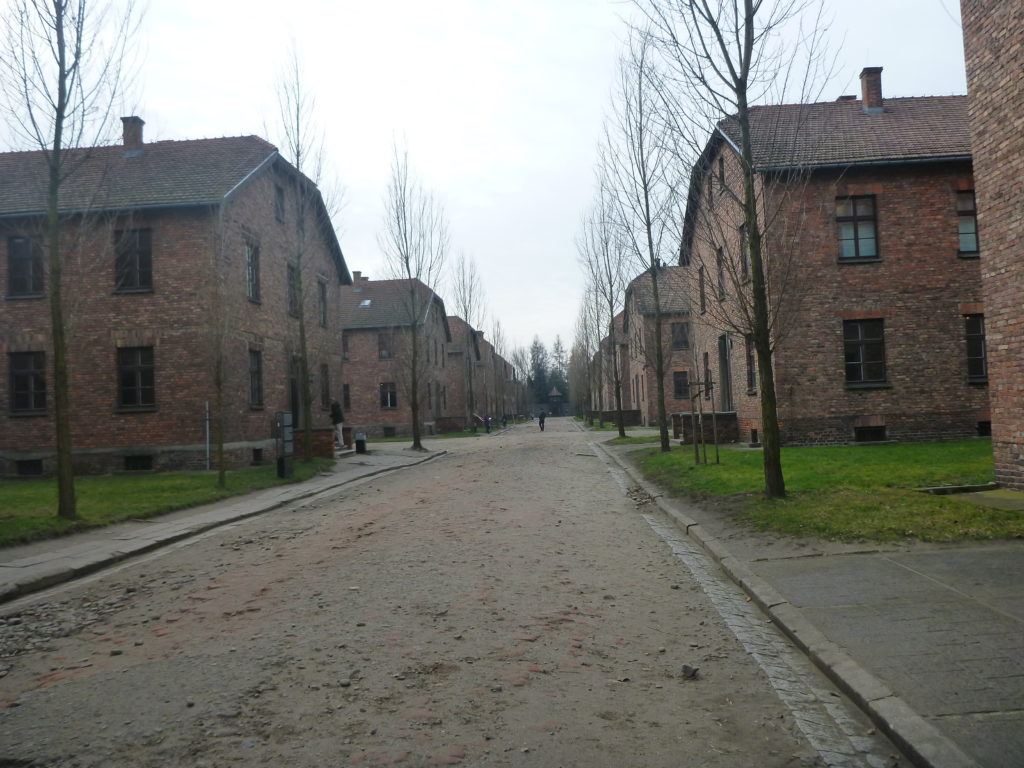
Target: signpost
x=284 y=440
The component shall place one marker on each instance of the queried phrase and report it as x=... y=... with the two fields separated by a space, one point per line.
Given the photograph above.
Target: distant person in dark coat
x=338 y=420
x=541 y=419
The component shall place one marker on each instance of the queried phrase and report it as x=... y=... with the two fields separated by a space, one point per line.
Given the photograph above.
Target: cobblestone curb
x=87 y=565
x=916 y=737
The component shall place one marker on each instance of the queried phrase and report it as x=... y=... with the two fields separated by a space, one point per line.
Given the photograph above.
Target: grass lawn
x=28 y=508
x=849 y=492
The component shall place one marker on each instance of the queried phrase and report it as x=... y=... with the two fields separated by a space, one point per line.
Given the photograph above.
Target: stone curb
x=918 y=739
x=85 y=567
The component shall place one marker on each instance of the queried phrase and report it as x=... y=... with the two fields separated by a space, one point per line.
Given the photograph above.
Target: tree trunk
x=414 y=394
x=774 y=482
x=66 y=504
x=659 y=363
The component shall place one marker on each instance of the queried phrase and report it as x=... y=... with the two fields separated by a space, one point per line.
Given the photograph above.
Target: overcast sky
x=499 y=103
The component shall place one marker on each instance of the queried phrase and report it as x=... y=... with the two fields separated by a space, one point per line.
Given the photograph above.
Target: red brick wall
x=920 y=287
x=179 y=320
x=994 y=44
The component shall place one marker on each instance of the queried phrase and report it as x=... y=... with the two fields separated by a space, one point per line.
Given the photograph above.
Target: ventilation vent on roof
x=365 y=302
x=847 y=97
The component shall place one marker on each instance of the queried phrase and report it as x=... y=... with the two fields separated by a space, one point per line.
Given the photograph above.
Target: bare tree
x=62 y=72
x=468 y=296
x=498 y=344
x=643 y=184
x=721 y=57
x=519 y=357
x=303 y=146
x=415 y=243
x=602 y=253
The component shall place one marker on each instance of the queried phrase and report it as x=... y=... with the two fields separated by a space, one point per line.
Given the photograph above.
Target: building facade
x=378 y=318
x=179 y=262
x=994 y=45
x=872 y=257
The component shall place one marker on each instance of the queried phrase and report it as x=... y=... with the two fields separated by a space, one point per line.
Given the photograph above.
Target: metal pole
x=207 y=420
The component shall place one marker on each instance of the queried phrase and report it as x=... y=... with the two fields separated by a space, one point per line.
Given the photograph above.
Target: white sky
x=499 y=103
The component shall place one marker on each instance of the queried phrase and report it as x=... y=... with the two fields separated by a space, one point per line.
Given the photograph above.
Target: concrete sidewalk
x=31 y=567
x=927 y=639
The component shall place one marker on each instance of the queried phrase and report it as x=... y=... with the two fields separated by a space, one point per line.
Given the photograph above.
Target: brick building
x=378 y=317
x=176 y=253
x=637 y=348
x=994 y=44
x=873 y=267
x=473 y=361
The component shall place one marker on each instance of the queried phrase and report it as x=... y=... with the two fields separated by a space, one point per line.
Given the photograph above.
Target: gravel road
x=505 y=605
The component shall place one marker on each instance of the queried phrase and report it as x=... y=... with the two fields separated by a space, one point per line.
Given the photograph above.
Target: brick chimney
x=356 y=274
x=871 y=89
x=132 y=132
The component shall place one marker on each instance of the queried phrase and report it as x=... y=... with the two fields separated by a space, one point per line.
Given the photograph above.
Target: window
x=384 y=346
x=703 y=291
x=681 y=385
x=28 y=382
x=977 y=364
x=365 y=303
x=707 y=377
x=252 y=272
x=293 y=290
x=134 y=260
x=864 y=348
x=28 y=467
x=721 y=170
x=325 y=386
x=138 y=463
x=751 y=365
x=680 y=335
x=444 y=397
x=968 y=226
x=388 y=395
x=344 y=345
x=136 y=386
x=24 y=267
x=744 y=253
x=279 y=202
x=321 y=294
x=869 y=434
x=855 y=217
x=346 y=397
x=720 y=264
x=255 y=378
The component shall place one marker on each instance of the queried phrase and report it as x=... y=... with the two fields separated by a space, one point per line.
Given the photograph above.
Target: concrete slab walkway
x=929 y=639
x=31 y=567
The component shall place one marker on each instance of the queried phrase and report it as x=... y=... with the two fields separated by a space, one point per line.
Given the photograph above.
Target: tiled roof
x=385 y=304
x=673 y=291
x=160 y=174
x=842 y=133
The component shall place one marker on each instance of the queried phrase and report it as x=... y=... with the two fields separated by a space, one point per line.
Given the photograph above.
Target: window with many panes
x=24 y=267
x=135 y=376
x=293 y=290
x=977 y=364
x=344 y=345
x=720 y=265
x=255 y=378
x=744 y=253
x=252 y=272
x=325 y=386
x=681 y=385
x=680 y=335
x=858 y=232
x=321 y=295
x=134 y=248
x=967 y=227
x=28 y=382
x=702 y=289
x=388 y=395
x=384 y=346
x=279 y=202
x=864 y=351
x=748 y=342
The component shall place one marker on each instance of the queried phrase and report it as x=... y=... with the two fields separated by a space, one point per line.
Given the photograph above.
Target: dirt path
x=505 y=605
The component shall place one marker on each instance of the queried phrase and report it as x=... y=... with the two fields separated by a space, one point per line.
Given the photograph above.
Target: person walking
x=338 y=420
x=487 y=424
x=541 y=420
